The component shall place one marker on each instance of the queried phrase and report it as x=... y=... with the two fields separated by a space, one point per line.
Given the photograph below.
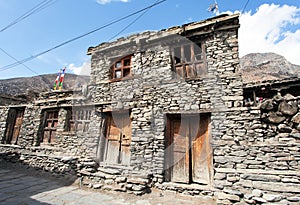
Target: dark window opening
x=189 y=60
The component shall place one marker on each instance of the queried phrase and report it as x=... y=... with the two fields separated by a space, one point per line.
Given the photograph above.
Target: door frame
x=11 y=124
x=169 y=147
x=108 y=119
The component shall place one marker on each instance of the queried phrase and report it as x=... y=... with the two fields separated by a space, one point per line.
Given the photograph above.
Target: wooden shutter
x=50 y=126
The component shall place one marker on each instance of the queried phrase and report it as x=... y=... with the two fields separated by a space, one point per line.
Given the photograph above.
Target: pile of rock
x=283 y=113
x=114 y=179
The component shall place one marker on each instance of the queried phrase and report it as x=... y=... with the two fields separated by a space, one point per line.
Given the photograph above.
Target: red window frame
x=121 y=68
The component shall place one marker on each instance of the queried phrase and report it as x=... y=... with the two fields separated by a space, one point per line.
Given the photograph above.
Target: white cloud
x=109 y=1
x=269 y=30
x=84 y=69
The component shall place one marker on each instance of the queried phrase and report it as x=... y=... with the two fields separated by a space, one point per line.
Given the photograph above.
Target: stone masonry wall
x=29 y=131
x=261 y=164
x=78 y=143
x=255 y=151
x=154 y=91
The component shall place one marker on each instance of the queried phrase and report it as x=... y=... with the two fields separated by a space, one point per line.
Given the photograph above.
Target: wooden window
x=50 y=124
x=189 y=60
x=189 y=157
x=13 y=125
x=118 y=138
x=121 y=68
x=79 y=120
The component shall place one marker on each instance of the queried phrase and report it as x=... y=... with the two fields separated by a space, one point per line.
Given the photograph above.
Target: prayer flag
x=213 y=8
x=56 y=80
x=61 y=79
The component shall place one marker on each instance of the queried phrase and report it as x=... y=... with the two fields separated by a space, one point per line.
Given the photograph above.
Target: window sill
x=197 y=78
x=121 y=79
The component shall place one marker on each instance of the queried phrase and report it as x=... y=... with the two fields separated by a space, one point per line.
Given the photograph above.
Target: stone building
x=10 y=100
x=163 y=110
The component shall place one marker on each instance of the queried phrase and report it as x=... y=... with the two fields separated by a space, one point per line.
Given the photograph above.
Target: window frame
x=14 y=122
x=77 y=117
x=122 y=68
x=191 y=66
x=53 y=120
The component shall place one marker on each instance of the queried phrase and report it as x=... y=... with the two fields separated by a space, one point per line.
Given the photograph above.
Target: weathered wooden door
x=201 y=151
x=180 y=171
x=118 y=139
x=190 y=151
x=14 y=123
x=17 y=126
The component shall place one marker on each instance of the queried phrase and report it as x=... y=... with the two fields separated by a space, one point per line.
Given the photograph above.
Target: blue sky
x=266 y=26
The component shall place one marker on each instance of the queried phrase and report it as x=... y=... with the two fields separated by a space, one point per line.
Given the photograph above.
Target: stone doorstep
x=172 y=186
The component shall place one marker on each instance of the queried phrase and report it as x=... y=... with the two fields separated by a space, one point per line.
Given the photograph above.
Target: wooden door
x=126 y=139
x=190 y=154
x=14 y=123
x=201 y=150
x=17 y=126
x=180 y=170
x=10 y=125
x=113 y=138
x=118 y=139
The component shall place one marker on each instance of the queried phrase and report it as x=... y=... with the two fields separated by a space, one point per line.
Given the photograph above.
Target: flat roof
x=152 y=35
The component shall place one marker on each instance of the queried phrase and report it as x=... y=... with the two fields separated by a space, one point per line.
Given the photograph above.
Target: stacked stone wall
x=255 y=151
x=40 y=158
x=155 y=91
x=79 y=143
x=31 y=123
x=260 y=164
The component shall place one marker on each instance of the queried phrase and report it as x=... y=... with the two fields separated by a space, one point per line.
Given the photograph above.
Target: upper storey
x=185 y=52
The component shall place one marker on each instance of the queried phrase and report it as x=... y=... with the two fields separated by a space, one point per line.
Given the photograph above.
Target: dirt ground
x=156 y=197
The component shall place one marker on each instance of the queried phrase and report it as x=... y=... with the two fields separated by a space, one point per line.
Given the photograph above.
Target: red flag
x=61 y=79
x=56 y=80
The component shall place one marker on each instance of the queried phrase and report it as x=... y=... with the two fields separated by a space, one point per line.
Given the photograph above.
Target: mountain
x=255 y=67
x=266 y=66
x=31 y=86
